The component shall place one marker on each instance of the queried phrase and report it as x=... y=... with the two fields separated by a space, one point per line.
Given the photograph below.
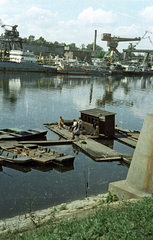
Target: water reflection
x=29 y=100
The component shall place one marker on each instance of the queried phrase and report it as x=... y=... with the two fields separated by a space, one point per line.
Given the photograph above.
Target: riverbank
x=70 y=211
x=32 y=219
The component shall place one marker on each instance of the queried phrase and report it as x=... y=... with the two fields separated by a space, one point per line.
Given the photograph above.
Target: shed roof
x=96 y=112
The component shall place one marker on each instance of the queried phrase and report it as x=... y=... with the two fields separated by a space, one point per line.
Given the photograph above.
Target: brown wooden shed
x=98 y=122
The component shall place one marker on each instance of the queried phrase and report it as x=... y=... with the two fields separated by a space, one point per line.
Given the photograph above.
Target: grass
x=63 y=207
x=128 y=221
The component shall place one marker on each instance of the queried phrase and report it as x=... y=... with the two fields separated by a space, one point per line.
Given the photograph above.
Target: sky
x=75 y=21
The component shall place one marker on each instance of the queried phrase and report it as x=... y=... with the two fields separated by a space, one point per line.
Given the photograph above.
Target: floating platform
x=127 y=137
x=88 y=144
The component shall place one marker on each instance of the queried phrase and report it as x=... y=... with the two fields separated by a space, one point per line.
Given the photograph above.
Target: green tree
x=83 y=47
x=72 y=45
x=41 y=40
x=90 y=46
x=31 y=38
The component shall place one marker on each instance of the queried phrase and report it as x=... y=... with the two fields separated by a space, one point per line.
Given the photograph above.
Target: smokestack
x=94 y=44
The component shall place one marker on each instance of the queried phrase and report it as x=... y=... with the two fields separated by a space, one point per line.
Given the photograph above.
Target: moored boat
x=19 y=134
x=13 y=157
x=21 y=60
x=72 y=69
x=42 y=155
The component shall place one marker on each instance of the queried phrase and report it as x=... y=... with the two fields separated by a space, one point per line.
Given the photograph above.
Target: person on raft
x=60 y=123
x=76 y=130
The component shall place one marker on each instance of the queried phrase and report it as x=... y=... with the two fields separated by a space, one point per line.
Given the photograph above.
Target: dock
x=95 y=150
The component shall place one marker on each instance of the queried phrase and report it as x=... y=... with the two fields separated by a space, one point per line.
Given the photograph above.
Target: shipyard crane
x=10 y=32
x=10 y=39
x=112 y=43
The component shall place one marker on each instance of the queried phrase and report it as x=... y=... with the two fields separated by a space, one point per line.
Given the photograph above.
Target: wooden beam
x=48 y=143
x=108 y=159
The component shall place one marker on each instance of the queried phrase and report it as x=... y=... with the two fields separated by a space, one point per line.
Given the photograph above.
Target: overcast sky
x=75 y=21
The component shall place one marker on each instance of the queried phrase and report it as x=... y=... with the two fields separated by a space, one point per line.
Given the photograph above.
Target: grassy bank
x=127 y=221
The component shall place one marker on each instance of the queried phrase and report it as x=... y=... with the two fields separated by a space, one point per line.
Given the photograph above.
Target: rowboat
x=13 y=157
x=19 y=134
x=41 y=155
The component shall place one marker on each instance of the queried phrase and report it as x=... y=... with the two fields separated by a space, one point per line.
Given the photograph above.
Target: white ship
x=21 y=60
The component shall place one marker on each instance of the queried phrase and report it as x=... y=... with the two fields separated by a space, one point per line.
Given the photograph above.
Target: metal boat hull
x=26 y=67
x=14 y=134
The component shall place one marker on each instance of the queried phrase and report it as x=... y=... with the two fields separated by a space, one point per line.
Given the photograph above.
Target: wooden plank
x=127 y=160
x=43 y=159
x=127 y=141
x=61 y=132
x=48 y=143
x=134 y=136
x=108 y=159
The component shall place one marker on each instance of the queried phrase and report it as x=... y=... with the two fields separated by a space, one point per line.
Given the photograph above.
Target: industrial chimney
x=94 y=44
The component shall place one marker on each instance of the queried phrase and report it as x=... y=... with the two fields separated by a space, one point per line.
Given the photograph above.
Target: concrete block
x=139 y=181
x=124 y=192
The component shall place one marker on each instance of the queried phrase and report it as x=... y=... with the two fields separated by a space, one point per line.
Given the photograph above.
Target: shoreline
x=75 y=209
x=62 y=211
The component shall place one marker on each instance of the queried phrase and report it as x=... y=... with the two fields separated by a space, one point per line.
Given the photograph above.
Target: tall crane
x=10 y=32
x=11 y=38
x=112 y=43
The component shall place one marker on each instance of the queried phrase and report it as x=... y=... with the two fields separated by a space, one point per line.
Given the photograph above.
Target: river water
x=30 y=100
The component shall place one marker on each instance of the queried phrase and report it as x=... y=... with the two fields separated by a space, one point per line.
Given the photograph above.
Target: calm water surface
x=29 y=100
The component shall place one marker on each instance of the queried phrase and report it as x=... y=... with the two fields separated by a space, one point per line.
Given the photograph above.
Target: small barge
x=19 y=134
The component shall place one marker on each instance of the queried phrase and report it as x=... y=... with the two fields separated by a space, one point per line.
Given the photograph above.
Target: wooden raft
x=127 y=137
x=97 y=151
x=90 y=147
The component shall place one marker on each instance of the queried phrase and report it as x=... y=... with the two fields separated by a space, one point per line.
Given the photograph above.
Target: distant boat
x=73 y=69
x=21 y=60
x=82 y=68
x=19 y=134
x=137 y=69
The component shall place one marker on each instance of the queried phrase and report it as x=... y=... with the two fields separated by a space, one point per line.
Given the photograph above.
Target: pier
x=97 y=151
x=98 y=124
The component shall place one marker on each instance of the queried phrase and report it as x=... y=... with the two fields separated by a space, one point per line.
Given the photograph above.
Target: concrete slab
x=123 y=191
